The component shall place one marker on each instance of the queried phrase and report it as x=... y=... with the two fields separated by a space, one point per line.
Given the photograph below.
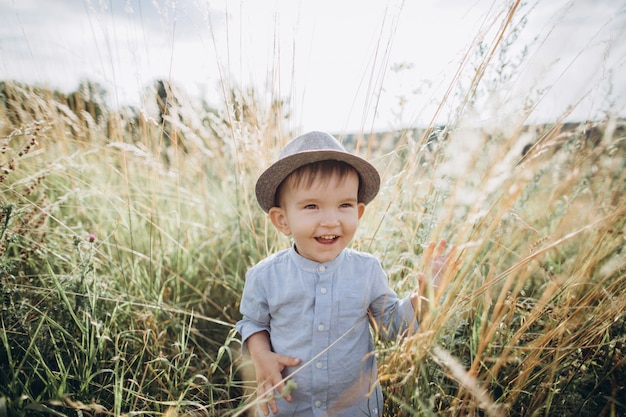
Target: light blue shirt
x=319 y=314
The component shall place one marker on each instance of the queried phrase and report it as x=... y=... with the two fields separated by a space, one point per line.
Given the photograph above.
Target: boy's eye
x=346 y=205
x=310 y=207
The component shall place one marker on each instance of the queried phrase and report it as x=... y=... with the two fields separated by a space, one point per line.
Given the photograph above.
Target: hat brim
x=272 y=177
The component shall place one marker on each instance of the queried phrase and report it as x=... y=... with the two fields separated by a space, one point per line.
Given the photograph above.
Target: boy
x=306 y=310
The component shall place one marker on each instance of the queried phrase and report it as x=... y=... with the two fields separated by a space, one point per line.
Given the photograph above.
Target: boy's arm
x=268 y=367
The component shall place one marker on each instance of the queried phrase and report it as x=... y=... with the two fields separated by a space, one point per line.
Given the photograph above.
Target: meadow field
x=124 y=244
x=125 y=236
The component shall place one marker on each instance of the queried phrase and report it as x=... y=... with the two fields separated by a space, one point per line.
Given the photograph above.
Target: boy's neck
x=312 y=260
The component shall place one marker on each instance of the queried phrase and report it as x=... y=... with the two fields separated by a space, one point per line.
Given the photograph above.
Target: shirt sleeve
x=254 y=309
x=390 y=315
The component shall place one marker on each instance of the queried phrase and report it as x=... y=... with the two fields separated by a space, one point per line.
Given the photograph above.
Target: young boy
x=306 y=310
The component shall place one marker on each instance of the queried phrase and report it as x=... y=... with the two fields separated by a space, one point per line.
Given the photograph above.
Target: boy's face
x=322 y=218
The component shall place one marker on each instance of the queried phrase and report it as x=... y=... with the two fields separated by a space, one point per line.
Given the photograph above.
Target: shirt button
x=318 y=404
x=323 y=290
x=319 y=365
x=322 y=268
x=320 y=328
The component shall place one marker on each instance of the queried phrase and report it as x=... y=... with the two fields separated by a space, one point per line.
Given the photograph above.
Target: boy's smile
x=322 y=218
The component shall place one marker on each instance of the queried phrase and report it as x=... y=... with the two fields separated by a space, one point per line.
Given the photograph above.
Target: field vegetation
x=125 y=237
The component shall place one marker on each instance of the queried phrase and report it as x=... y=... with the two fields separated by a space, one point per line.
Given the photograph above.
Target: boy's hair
x=320 y=170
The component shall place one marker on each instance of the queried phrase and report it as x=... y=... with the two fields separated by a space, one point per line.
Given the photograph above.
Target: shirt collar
x=312 y=266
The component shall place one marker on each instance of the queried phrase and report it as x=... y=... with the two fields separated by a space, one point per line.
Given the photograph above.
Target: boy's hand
x=268 y=367
x=436 y=262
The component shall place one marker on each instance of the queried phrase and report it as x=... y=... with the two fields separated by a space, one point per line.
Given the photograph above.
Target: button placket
x=323 y=313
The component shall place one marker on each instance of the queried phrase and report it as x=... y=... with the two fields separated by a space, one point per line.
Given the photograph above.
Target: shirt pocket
x=352 y=313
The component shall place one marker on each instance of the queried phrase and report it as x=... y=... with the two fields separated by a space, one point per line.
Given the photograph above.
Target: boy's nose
x=329 y=219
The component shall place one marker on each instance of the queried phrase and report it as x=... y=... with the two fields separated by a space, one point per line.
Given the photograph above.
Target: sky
x=342 y=66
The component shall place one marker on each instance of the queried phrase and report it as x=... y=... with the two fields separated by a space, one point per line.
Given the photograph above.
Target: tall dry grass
x=532 y=322
x=122 y=259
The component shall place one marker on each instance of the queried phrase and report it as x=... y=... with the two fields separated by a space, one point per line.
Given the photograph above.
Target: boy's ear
x=360 y=210
x=279 y=220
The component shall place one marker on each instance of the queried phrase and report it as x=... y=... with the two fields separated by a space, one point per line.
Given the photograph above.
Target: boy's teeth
x=328 y=237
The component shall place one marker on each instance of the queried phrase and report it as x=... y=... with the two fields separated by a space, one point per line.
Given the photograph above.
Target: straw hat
x=308 y=148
